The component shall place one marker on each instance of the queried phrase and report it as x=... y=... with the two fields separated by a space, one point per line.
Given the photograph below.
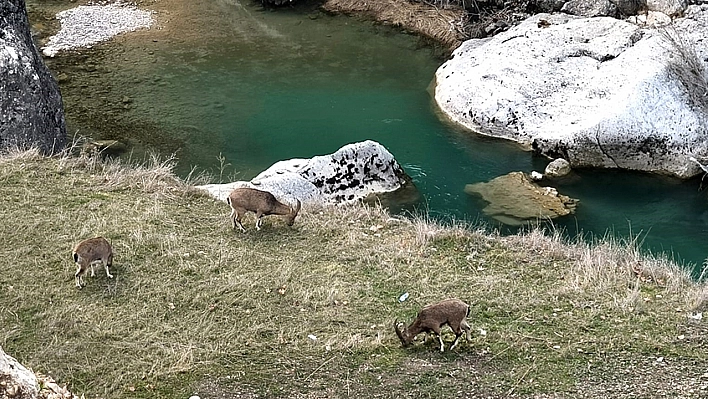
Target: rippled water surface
x=255 y=87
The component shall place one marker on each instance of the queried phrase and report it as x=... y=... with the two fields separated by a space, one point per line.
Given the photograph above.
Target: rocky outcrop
x=16 y=381
x=598 y=92
x=353 y=173
x=514 y=199
x=31 y=110
x=591 y=8
x=612 y=8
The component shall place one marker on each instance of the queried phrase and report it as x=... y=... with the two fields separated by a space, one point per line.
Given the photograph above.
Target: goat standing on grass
x=88 y=253
x=432 y=318
x=262 y=203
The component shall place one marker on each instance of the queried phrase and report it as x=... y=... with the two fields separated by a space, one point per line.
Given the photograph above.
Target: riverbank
x=197 y=308
x=441 y=27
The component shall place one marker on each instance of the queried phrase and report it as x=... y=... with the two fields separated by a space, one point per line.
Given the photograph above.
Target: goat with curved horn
x=432 y=318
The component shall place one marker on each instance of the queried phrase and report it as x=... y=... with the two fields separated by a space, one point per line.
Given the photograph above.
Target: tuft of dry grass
x=198 y=308
x=687 y=67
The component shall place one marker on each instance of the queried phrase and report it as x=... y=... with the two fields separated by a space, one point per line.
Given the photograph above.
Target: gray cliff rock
x=31 y=110
x=353 y=173
x=598 y=92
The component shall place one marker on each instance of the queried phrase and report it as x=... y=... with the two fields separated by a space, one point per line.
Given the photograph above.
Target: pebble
x=85 y=26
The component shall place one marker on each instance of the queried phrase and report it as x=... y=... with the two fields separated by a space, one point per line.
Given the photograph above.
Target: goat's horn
x=397 y=328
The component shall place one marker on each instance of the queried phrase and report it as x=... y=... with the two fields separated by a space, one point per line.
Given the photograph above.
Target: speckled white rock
x=350 y=174
x=595 y=91
x=557 y=168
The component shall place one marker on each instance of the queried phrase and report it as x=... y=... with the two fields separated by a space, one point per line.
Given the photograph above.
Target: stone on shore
x=353 y=173
x=557 y=168
x=515 y=200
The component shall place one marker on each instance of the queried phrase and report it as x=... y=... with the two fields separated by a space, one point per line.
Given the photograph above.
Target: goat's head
x=290 y=218
x=402 y=335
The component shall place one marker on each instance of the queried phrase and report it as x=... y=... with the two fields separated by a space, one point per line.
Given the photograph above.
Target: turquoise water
x=256 y=87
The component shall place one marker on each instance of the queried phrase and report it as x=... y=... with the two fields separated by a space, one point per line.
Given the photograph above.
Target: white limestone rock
x=672 y=8
x=557 y=168
x=595 y=91
x=352 y=173
x=16 y=381
x=536 y=176
x=590 y=8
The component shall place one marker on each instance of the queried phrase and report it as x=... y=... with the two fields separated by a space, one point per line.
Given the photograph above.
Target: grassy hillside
x=197 y=308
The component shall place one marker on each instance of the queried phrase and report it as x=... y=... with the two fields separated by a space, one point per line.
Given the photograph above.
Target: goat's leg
x=107 y=272
x=467 y=329
x=232 y=216
x=109 y=262
x=442 y=345
x=259 y=221
x=454 y=343
x=237 y=219
x=77 y=277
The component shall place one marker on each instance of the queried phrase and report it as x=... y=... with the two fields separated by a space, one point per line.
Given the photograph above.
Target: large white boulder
x=352 y=173
x=598 y=92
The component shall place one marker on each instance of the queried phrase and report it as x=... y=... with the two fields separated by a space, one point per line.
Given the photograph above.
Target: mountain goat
x=262 y=203
x=90 y=252
x=432 y=318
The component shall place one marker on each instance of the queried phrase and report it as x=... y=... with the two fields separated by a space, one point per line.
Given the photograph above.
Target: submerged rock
x=105 y=147
x=514 y=199
x=353 y=173
x=598 y=92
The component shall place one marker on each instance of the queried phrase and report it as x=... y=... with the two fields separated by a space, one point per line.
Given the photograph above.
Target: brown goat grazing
x=89 y=252
x=433 y=317
x=262 y=203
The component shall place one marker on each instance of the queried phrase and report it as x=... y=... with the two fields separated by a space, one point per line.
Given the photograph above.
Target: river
x=231 y=88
